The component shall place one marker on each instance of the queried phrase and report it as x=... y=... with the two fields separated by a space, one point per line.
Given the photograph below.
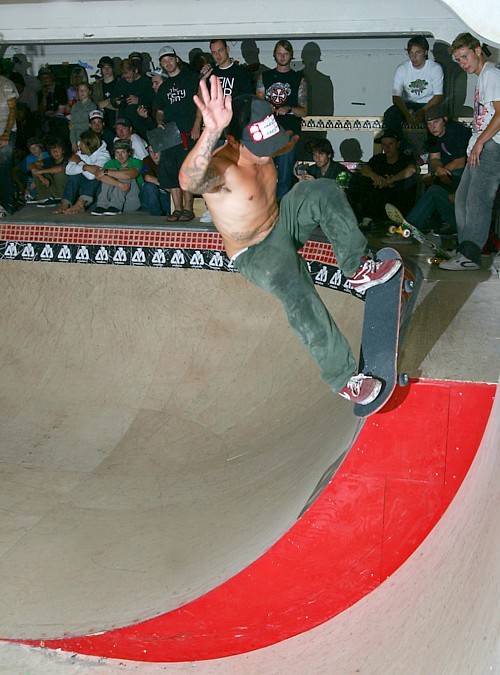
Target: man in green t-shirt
x=121 y=181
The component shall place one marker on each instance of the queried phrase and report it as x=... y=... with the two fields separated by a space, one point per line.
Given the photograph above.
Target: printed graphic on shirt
x=278 y=93
x=418 y=86
x=174 y=94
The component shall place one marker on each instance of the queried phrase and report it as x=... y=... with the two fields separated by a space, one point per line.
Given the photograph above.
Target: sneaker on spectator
x=111 y=211
x=367 y=223
x=361 y=389
x=458 y=263
x=50 y=201
x=98 y=211
x=206 y=217
x=373 y=272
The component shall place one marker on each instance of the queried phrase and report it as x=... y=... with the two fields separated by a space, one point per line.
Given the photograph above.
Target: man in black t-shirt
x=234 y=79
x=286 y=91
x=131 y=92
x=175 y=104
x=388 y=177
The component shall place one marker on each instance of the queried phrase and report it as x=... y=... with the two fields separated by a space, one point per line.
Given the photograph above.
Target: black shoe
x=98 y=211
x=50 y=201
x=111 y=211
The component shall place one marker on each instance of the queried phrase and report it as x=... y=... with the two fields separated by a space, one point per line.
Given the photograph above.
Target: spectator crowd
x=117 y=144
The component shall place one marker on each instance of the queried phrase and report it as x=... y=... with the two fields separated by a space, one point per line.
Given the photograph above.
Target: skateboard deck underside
x=380 y=336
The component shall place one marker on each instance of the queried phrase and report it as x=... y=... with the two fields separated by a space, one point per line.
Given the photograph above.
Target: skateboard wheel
x=392 y=229
x=409 y=286
x=403 y=379
x=406 y=234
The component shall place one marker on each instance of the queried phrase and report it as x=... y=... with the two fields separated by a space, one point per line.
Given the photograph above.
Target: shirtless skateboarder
x=238 y=182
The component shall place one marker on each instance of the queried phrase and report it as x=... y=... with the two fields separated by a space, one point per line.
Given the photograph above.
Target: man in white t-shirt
x=417 y=85
x=476 y=193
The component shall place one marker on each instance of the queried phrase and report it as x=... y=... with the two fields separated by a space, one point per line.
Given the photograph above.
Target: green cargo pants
x=275 y=266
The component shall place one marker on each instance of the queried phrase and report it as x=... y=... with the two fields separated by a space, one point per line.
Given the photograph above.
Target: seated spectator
x=133 y=90
x=325 y=167
x=153 y=198
x=50 y=174
x=82 y=187
x=36 y=154
x=418 y=84
x=388 y=177
x=125 y=132
x=447 y=145
x=26 y=129
x=121 y=181
x=96 y=124
x=103 y=90
x=80 y=114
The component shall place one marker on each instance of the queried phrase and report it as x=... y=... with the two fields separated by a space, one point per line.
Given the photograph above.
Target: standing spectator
x=26 y=95
x=52 y=102
x=78 y=76
x=389 y=177
x=80 y=114
x=8 y=99
x=158 y=77
x=125 y=132
x=418 y=84
x=234 y=78
x=153 y=198
x=50 y=175
x=120 y=182
x=476 y=193
x=103 y=90
x=176 y=104
x=133 y=90
x=286 y=91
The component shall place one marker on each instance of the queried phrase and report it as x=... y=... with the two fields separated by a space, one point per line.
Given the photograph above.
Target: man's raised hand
x=215 y=108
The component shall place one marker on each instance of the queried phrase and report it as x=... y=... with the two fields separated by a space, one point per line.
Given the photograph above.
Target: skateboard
x=388 y=308
x=408 y=230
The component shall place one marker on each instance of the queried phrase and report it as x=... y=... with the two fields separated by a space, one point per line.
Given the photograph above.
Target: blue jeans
x=284 y=164
x=275 y=266
x=435 y=198
x=154 y=200
x=80 y=186
x=393 y=117
x=7 y=199
x=474 y=201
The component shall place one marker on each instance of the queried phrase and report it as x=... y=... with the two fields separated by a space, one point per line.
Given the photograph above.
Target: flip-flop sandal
x=186 y=216
x=175 y=216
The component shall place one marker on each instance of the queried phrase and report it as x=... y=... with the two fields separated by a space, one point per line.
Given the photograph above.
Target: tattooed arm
x=198 y=174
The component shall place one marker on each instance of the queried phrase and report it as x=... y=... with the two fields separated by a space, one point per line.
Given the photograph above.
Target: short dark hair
x=224 y=42
x=418 y=41
x=464 y=40
x=242 y=111
x=54 y=143
x=321 y=145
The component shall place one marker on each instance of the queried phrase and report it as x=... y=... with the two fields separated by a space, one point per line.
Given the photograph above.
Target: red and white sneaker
x=373 y=272
x=361 y=389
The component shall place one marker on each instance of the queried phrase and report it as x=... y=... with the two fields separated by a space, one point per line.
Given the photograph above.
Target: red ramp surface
x=397 y=481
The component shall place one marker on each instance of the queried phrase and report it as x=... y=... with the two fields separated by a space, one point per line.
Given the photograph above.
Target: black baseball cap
x=435 y=112
x=263 y=136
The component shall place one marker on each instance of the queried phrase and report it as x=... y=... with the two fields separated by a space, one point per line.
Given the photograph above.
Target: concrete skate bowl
x=161 y=433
